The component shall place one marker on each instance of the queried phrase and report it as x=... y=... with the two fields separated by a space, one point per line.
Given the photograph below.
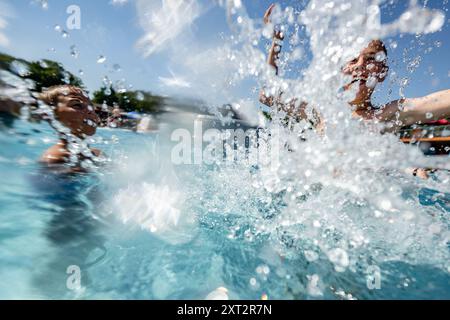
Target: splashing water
x=338 y=204
x=164 y=22
x=343 y=198
x=14 y=87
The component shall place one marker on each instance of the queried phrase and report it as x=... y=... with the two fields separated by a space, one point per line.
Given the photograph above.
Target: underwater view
x=224 y=150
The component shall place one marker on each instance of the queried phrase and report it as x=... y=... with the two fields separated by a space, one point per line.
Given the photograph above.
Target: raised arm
x=407 y=112
x=294 y=108
x=277 y=41
x=272 y=58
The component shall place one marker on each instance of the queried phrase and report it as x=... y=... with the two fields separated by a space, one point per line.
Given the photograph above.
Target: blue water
x=50 y=221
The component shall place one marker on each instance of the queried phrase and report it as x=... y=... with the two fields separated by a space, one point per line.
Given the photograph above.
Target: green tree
x=44 y=73
x=140 y=101
x=106 y=95
x=47 y=73
x=5 y=61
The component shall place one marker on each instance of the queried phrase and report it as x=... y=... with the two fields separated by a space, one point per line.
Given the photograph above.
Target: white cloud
x=163 y=21
x=205 y=70
x=206 y=73
x=174 y=81
x=5 y=12
x=4 y=41
x=119 y=2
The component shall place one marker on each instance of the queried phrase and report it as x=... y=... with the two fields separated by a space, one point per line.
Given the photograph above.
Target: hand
x=268 y=13
x=418 y=172
x=277 y=34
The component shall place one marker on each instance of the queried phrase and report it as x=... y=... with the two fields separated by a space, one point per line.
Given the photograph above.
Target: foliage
x=44 y=73
x=140 y=101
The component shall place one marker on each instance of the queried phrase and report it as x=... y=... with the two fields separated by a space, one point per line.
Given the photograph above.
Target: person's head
x=72 y=108
x=367 y=70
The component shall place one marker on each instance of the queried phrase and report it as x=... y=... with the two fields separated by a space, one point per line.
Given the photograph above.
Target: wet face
x=75 y=111
x=366 y=71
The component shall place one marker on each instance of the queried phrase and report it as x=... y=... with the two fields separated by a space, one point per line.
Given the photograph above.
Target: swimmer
x=372 y=64
x=73 y=109
x=398 y=113
x=293 y=108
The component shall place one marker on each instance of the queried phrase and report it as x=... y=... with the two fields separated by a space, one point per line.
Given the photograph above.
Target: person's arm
x=407 y=112
x=268 y=100
x=292 y=107
x=272 y=59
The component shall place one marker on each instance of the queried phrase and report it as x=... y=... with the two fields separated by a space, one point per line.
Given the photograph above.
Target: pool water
x=50 y=222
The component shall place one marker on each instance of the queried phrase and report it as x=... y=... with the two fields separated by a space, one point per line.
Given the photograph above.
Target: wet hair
x=50 y=96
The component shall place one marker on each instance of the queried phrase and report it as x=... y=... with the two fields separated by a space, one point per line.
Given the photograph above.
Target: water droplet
x=101 y=59
x=371 y=82
x=297 y=54
x=106 y=81
x=66 y=78
x=380 y=56
x=313 y=286
x=44 y=4
x=404 y=82
x=120 y=86
x=73 y=51
x=429 y=115
x=19 y=68
x=385 y=204
x=140 y=96
x=311 y=255
x=43 y=64
x=414 y=64
x=339 y=258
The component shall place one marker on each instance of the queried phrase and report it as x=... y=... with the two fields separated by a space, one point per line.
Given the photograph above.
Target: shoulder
x=55 y=154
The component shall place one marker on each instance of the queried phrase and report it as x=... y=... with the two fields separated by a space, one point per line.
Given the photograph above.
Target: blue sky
x=113 y=31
